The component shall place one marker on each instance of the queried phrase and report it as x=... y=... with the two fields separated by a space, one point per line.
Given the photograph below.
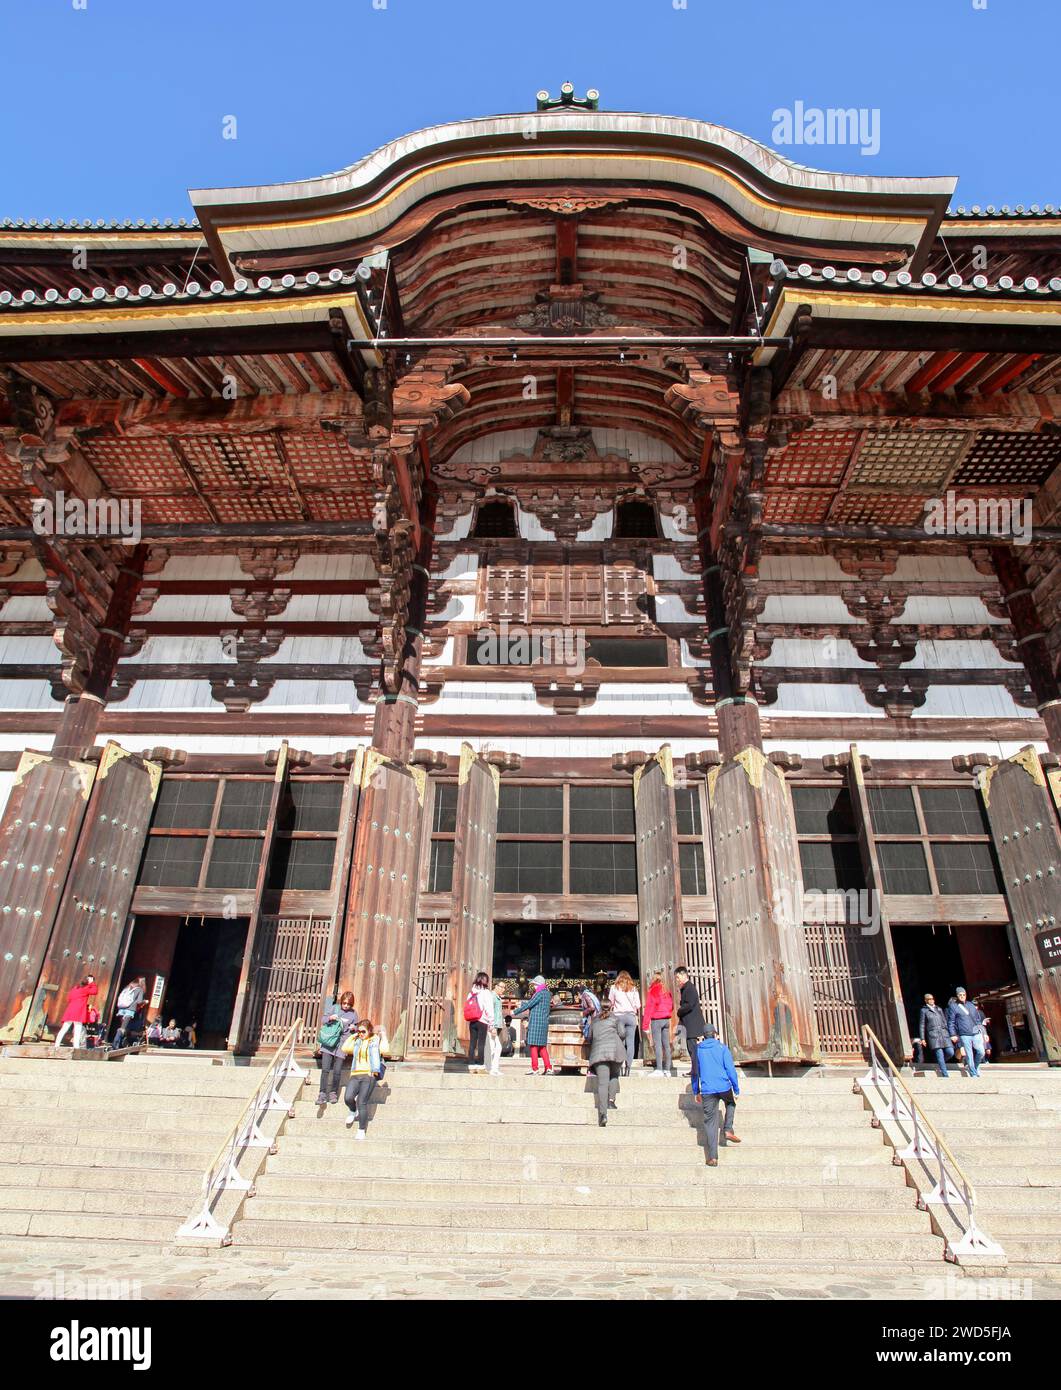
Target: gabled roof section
x=759 y=196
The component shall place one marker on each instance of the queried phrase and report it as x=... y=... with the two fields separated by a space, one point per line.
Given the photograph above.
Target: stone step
x=109 y=1082
x=1018 y=1156
x=365 y=1160
x=633 y=1145
x=1035 y=1176
x=624 y=1219
x=701 y=1188
x=163 y=1142
x=444 y=1106
x=144 y=1230
x=1026 y=1224
x=65 y=1108
x=75 y=1175
x=115 y=1154
x=1032 y=1249
x=764 y=1248
x=771 y=1127
x=174 y=1205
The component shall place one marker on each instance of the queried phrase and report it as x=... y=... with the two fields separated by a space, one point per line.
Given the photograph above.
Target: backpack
x=330 y=1035
x=127 y=999
x=472 y=1010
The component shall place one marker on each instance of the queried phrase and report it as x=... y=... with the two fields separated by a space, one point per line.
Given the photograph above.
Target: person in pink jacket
x=656 y=1020
x=76 y=1015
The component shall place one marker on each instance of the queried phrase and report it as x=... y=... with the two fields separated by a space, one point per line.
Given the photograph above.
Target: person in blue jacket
x=966 y=1022
x=718 y=1086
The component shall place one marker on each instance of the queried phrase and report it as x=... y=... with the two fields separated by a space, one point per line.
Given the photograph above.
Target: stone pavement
x=50 y=1269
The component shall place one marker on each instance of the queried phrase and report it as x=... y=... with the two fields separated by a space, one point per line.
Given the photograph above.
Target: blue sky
x=116 y=109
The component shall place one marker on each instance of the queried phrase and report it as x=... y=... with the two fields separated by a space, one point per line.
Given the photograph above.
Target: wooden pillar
x=1031 y=640
x=1027 y=840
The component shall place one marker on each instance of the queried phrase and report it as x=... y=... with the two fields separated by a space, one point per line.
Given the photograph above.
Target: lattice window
x=506 y=594
x=922 y=459
x=1010 y=460
x=624 y=589
x=288 y=981
x=430 y=975
x=846 y=987
x=814 y=458
x=704 y=962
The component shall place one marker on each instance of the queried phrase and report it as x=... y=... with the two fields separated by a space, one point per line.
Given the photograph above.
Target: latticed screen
x=602 y=811
x=603 y=866
x=903 y=867
x=440 y=869
x=953 y=811
x=530 y=810
x=691 y=861
x=966 y=867
x=302 y=864
x=831 y=866
x=892 y=811
x=313 y=807
x=245 y=806
x=184 y=804
x=687 y=810
x=529 y=866
x=173 y=861
x=234 y=863
x=444 y=811
x=823 y=811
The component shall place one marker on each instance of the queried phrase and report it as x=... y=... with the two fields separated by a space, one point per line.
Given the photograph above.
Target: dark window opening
x=602 y=811
x=693 y=869
x=687 y=807
x=184 y=804
x=234 y=863
x=627 y=651
x=635 y=518
x=529 y=866
x=823 y=811
x=953 y=811
x=440 y=870
x=831 y=866
x=892 y=811
x=610 y=867
x=903 y=867
x=245 y=805
x=305 y=864
x=968 y=867
x=495 y=519
x=173 y=861
x=444 y=812
x=313 y=807
x=530 y=810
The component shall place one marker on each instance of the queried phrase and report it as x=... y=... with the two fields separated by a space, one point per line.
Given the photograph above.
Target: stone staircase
x=469 y=1170
x=1004 y=1128
x=110 y=1151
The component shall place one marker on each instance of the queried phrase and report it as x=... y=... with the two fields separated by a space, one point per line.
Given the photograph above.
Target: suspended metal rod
x=540 y=340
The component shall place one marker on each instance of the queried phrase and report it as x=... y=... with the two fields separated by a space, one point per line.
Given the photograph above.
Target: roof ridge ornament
x=568 y=99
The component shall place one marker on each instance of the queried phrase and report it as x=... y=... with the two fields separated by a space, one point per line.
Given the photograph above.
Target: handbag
x=330 y=1035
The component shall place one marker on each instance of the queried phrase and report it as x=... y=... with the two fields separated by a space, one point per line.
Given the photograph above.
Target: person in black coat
x=933 y=1033
x=691 y=1018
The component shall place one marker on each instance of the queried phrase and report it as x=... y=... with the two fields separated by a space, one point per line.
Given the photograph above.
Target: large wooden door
x=873 y=955
x=759 y=890
x=704 y=960
x=381 y=916
x=91 y=923
x=1024 y=829
x=38 y=837
x=660 y=941
x=471 y=931
x=849 y=988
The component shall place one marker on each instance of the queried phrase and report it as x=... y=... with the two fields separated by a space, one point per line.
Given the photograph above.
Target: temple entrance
x=936 y=959
x=192 y=966
x=564 y=952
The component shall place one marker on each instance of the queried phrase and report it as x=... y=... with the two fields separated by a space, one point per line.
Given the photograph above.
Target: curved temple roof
x=765 y=197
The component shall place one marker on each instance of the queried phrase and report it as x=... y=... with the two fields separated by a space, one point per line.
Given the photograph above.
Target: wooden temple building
x=564 y=541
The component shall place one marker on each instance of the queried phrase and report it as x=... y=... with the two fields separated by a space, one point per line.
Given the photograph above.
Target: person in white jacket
x=483 y=1030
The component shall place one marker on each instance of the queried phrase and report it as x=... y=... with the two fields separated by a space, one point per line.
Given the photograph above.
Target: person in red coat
x=656 y=1020
x=76 y=1015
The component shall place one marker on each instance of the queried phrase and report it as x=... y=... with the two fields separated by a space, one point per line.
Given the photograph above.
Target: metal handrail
x=952 y=1183
x=223 y=1172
